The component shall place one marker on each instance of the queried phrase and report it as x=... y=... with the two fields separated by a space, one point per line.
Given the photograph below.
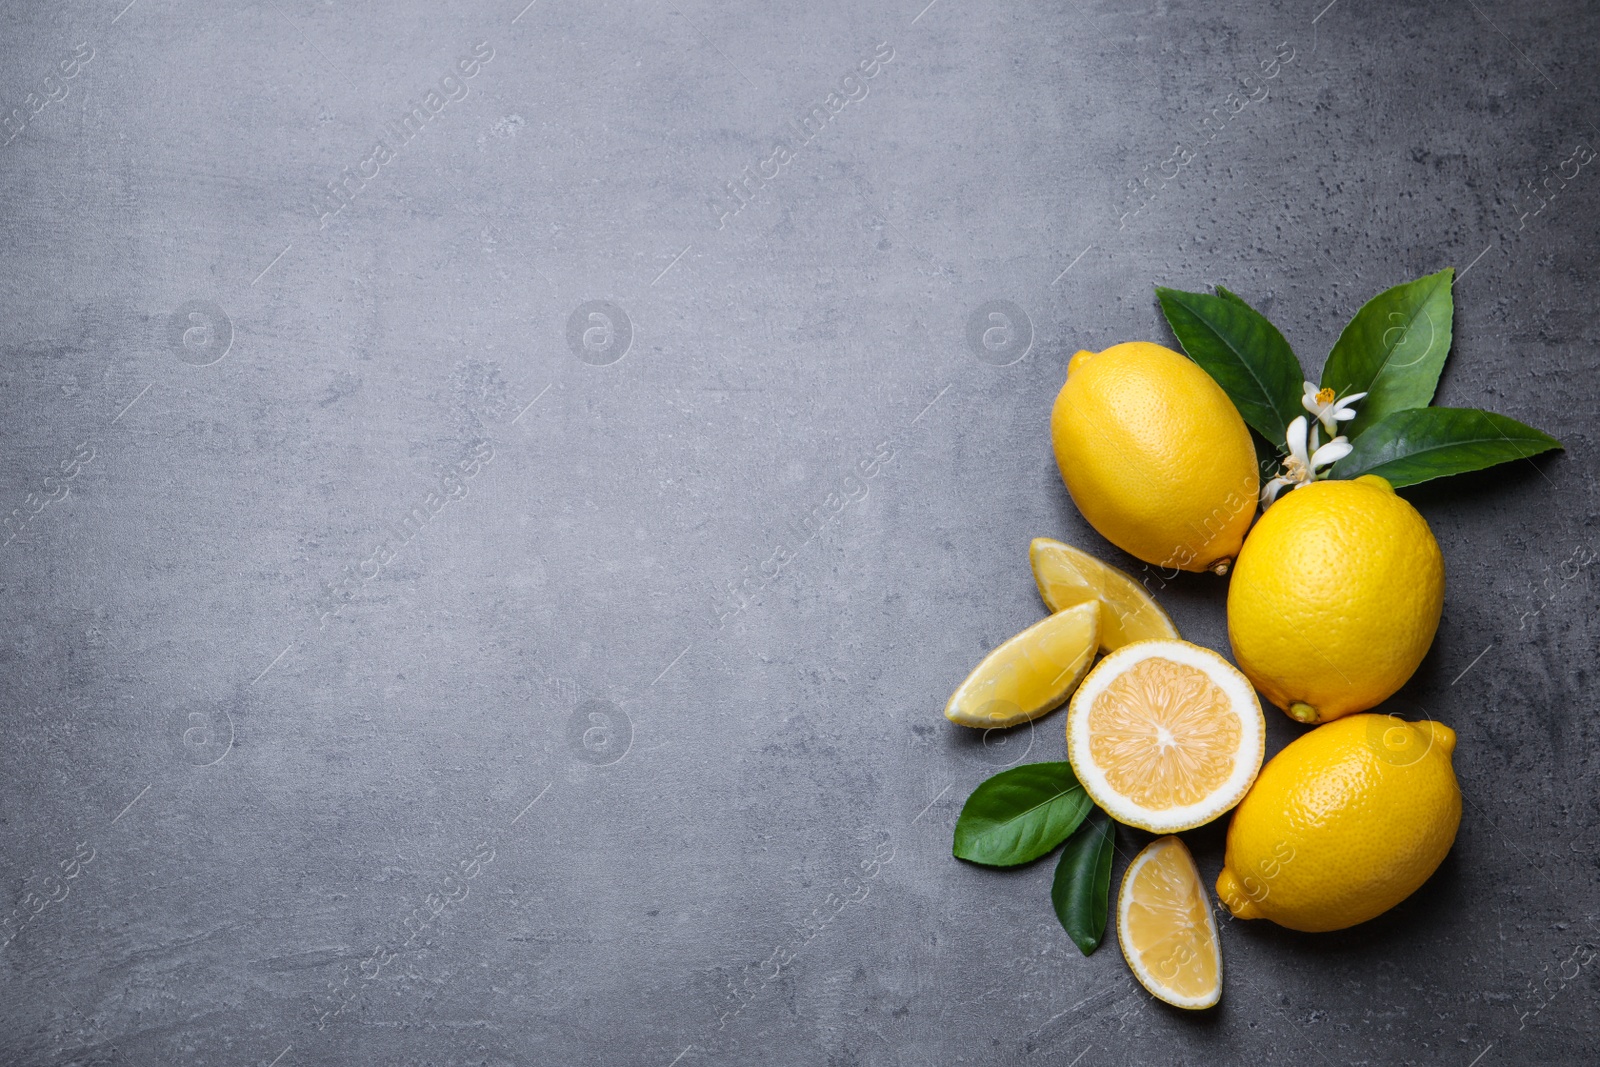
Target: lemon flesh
x=1165 y=735
x=1031 y=674
x=1067 y=577
x=1166 y=929
x=1156 y=456
x=1343 y=824
x=1335 y=598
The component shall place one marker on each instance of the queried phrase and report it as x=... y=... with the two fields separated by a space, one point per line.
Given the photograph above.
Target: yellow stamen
x=1325 y=396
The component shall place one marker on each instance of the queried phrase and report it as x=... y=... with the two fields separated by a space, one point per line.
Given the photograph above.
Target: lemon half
x=1165 y=735
x=1031 y=674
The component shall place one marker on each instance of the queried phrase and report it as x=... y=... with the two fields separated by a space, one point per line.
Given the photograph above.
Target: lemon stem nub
x=1220 y=567
x=1300 y=711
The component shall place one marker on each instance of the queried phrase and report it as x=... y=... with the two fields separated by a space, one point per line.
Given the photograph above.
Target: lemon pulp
x=1166 y=929
x=1031 y=674
x=1068 y=576
x=1164 y=734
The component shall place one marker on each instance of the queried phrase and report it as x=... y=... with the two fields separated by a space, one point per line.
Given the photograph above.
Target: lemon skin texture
x=1335 y=598
x=1155 y=456
x=1343 y=824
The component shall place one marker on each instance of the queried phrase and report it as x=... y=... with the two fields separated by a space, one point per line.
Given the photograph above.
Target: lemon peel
x=1335 y=598
x=1343 y=824
x=1155 y=456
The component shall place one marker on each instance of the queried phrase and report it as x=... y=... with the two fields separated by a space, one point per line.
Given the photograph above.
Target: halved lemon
x=1165 y=735
x=1031 y=674
x=1165 y=926
x=1068 y=576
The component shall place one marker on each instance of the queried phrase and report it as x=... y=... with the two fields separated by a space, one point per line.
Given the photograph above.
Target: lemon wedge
x=1067 y=576
x=1165 y=926
x=1030 y=674
x=1165 y=735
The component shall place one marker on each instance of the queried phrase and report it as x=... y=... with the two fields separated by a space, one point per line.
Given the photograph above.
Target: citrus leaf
x=1081 y=891
x=1407 y=447
x=1020 y=814
x=1244 y=352
x=1232 y=297
x=1393 y=350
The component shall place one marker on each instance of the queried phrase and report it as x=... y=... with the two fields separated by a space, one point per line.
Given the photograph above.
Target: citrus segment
x=1165 y=735
x=1166 y=929
x=1068 y=576
x=1031 y=674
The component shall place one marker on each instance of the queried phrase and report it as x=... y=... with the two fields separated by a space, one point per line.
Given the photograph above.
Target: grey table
x=500 y=495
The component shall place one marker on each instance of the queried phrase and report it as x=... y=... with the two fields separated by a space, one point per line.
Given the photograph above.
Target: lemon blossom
x=1328 y=409
x=1300 y=466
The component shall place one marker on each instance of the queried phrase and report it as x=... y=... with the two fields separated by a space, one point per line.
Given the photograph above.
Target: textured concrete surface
x=489 y=600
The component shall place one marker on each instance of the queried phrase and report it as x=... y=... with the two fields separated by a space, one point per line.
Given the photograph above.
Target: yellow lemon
x=1156 y=456
x=1031 y=674
x=1067 y=577
x=1343 y=824
x=1165 y=735
x=1166 y=929
x=1335 y=598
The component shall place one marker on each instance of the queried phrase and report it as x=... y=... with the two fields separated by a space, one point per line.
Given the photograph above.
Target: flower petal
x=1270 y=491
x=1295 y=438
x=1332 y=452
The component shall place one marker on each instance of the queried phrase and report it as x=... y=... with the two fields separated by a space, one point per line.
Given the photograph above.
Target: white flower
x=1301 y=465
x=1330 y=411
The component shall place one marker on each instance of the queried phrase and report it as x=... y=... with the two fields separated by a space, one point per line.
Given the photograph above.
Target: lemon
x=1067 y=576
x=1165 y=735
x=1335 y=598
x=1156 y=456
x=1031 y=674
x=1343 y=824
x=1166 y=929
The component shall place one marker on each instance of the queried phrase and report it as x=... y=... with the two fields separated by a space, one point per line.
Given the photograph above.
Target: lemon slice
x=1165 y=735
x=1030 y=674
x=1165 y=926
x=1067 y=576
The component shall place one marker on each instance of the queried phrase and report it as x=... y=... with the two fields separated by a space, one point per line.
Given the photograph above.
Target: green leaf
x=1233 y=297
x=1020 y=814
x=1393 y=350
x=1244 y=352
x=1407 y=447
x=1082 y=889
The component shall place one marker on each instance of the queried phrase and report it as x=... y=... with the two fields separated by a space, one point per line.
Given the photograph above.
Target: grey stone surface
x=343 y=776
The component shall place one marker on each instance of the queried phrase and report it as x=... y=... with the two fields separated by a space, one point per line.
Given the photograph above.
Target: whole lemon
x=1343 y=824
x=1156 y=456
x=1335 y=598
